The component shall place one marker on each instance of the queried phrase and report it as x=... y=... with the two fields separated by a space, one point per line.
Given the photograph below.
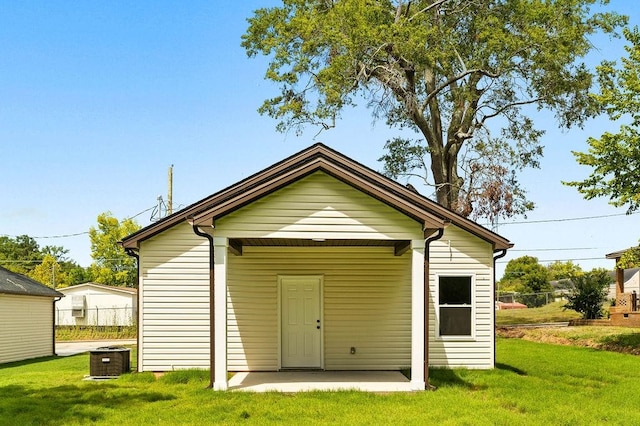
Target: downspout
x=427 y=241
x=212 y=330
x=53 y=305
x=132 y=253
x=501 y=253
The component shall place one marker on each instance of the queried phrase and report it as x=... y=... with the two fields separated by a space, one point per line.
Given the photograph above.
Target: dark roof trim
x=318 y=157
x=617 y=254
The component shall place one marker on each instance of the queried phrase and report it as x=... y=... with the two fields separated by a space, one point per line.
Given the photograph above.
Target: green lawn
x=553 y=312
x=534 y=384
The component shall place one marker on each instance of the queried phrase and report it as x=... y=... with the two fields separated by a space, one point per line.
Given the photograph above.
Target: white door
x=301 y=329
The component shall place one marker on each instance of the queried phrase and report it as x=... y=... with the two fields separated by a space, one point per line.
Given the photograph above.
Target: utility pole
x=170 y=194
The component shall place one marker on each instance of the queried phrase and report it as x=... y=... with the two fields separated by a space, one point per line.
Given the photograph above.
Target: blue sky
x=98 y=99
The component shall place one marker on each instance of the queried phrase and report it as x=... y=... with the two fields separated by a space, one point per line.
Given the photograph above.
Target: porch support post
x=220 y=314
x=417 y=316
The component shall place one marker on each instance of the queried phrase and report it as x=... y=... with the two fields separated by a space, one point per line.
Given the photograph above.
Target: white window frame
x=470 y=337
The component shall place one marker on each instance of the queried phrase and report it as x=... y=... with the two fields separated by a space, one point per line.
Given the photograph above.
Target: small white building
x=26 y=318
x=96 y=304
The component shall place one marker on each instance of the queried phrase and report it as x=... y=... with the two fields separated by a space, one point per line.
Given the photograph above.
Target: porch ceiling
x=236 y=244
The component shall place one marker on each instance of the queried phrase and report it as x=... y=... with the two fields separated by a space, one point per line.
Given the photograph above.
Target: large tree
x=112 y=266
x=525 y=275
x=442 y=68
x=615 y=157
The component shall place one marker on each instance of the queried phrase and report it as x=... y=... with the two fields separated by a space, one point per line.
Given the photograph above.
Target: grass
x=66 y=333
x=553 y=312
x=534 y=383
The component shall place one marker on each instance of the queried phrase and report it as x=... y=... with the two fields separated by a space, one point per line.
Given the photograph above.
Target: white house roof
x=101 y=287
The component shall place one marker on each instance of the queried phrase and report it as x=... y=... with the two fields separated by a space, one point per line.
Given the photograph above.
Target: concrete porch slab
x=303 y=381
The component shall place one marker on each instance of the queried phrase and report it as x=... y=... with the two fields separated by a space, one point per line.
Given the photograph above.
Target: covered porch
x=307 y=381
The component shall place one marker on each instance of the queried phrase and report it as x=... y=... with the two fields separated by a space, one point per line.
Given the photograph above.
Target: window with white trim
x=455 y=306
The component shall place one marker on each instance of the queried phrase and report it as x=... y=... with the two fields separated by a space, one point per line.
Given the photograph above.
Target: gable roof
x=126 y=290
x=14 y=283
x=317 y=157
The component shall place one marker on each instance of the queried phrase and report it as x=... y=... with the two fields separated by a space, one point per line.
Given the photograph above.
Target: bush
x=589 y=293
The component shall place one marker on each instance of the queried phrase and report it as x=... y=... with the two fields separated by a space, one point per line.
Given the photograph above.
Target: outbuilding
x=92 y=304
x=26 y=318
x=317 y=262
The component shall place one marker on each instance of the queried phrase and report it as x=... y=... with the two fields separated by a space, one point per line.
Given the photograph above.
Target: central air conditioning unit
x=78 y=304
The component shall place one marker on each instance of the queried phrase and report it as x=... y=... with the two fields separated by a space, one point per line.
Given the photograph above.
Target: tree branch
x=426 y=9
x=452 y=80
x=506 y=107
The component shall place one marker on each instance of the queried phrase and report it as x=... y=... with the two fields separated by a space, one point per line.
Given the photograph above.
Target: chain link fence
x=120 y=316
x=532 y=300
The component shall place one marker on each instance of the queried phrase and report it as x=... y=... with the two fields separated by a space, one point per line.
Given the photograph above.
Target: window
x=455 y=306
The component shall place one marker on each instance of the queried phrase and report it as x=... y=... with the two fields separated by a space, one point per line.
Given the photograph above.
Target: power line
x=567 y=219
x=77 y=234
x=561 y=260
x=557 y=249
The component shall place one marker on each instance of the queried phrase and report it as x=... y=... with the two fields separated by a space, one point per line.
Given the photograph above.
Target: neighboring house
x=26 y=318
x=96 y=304
x=316 y=262
x=631 y=280
x=626 y=307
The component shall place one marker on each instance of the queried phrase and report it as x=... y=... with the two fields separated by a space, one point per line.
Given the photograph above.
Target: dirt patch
x=576 y=336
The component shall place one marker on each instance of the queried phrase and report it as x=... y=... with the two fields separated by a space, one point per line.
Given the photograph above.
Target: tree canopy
x=525 y=275
x=48 y=265
x=615 y=157
x=444 y=69
x=112 y=266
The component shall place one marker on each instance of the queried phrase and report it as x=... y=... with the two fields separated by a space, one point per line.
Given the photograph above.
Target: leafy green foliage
x=525 y=275
x=20 y=254
x=615 y=157
x=589 y=293
x=559 y=270
x=630 y=258
x=112 y=266
x=443 y=69
x=48 y=265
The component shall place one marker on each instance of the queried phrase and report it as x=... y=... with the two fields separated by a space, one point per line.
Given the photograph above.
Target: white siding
x=174 y=301
x=366 y=293
x=318 y=206
x=461 y=253
x=367 y=305
x=103 y=307
x=26 y=327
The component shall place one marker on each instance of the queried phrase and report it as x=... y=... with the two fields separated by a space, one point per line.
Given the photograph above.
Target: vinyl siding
x=318 y=206
x=367 y=305
x=461 y=253
x=174 y=301
x=366 y=292
x=26 y=327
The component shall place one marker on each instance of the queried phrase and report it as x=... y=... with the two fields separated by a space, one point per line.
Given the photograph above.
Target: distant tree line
x=51 y=266
x=585 y=291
